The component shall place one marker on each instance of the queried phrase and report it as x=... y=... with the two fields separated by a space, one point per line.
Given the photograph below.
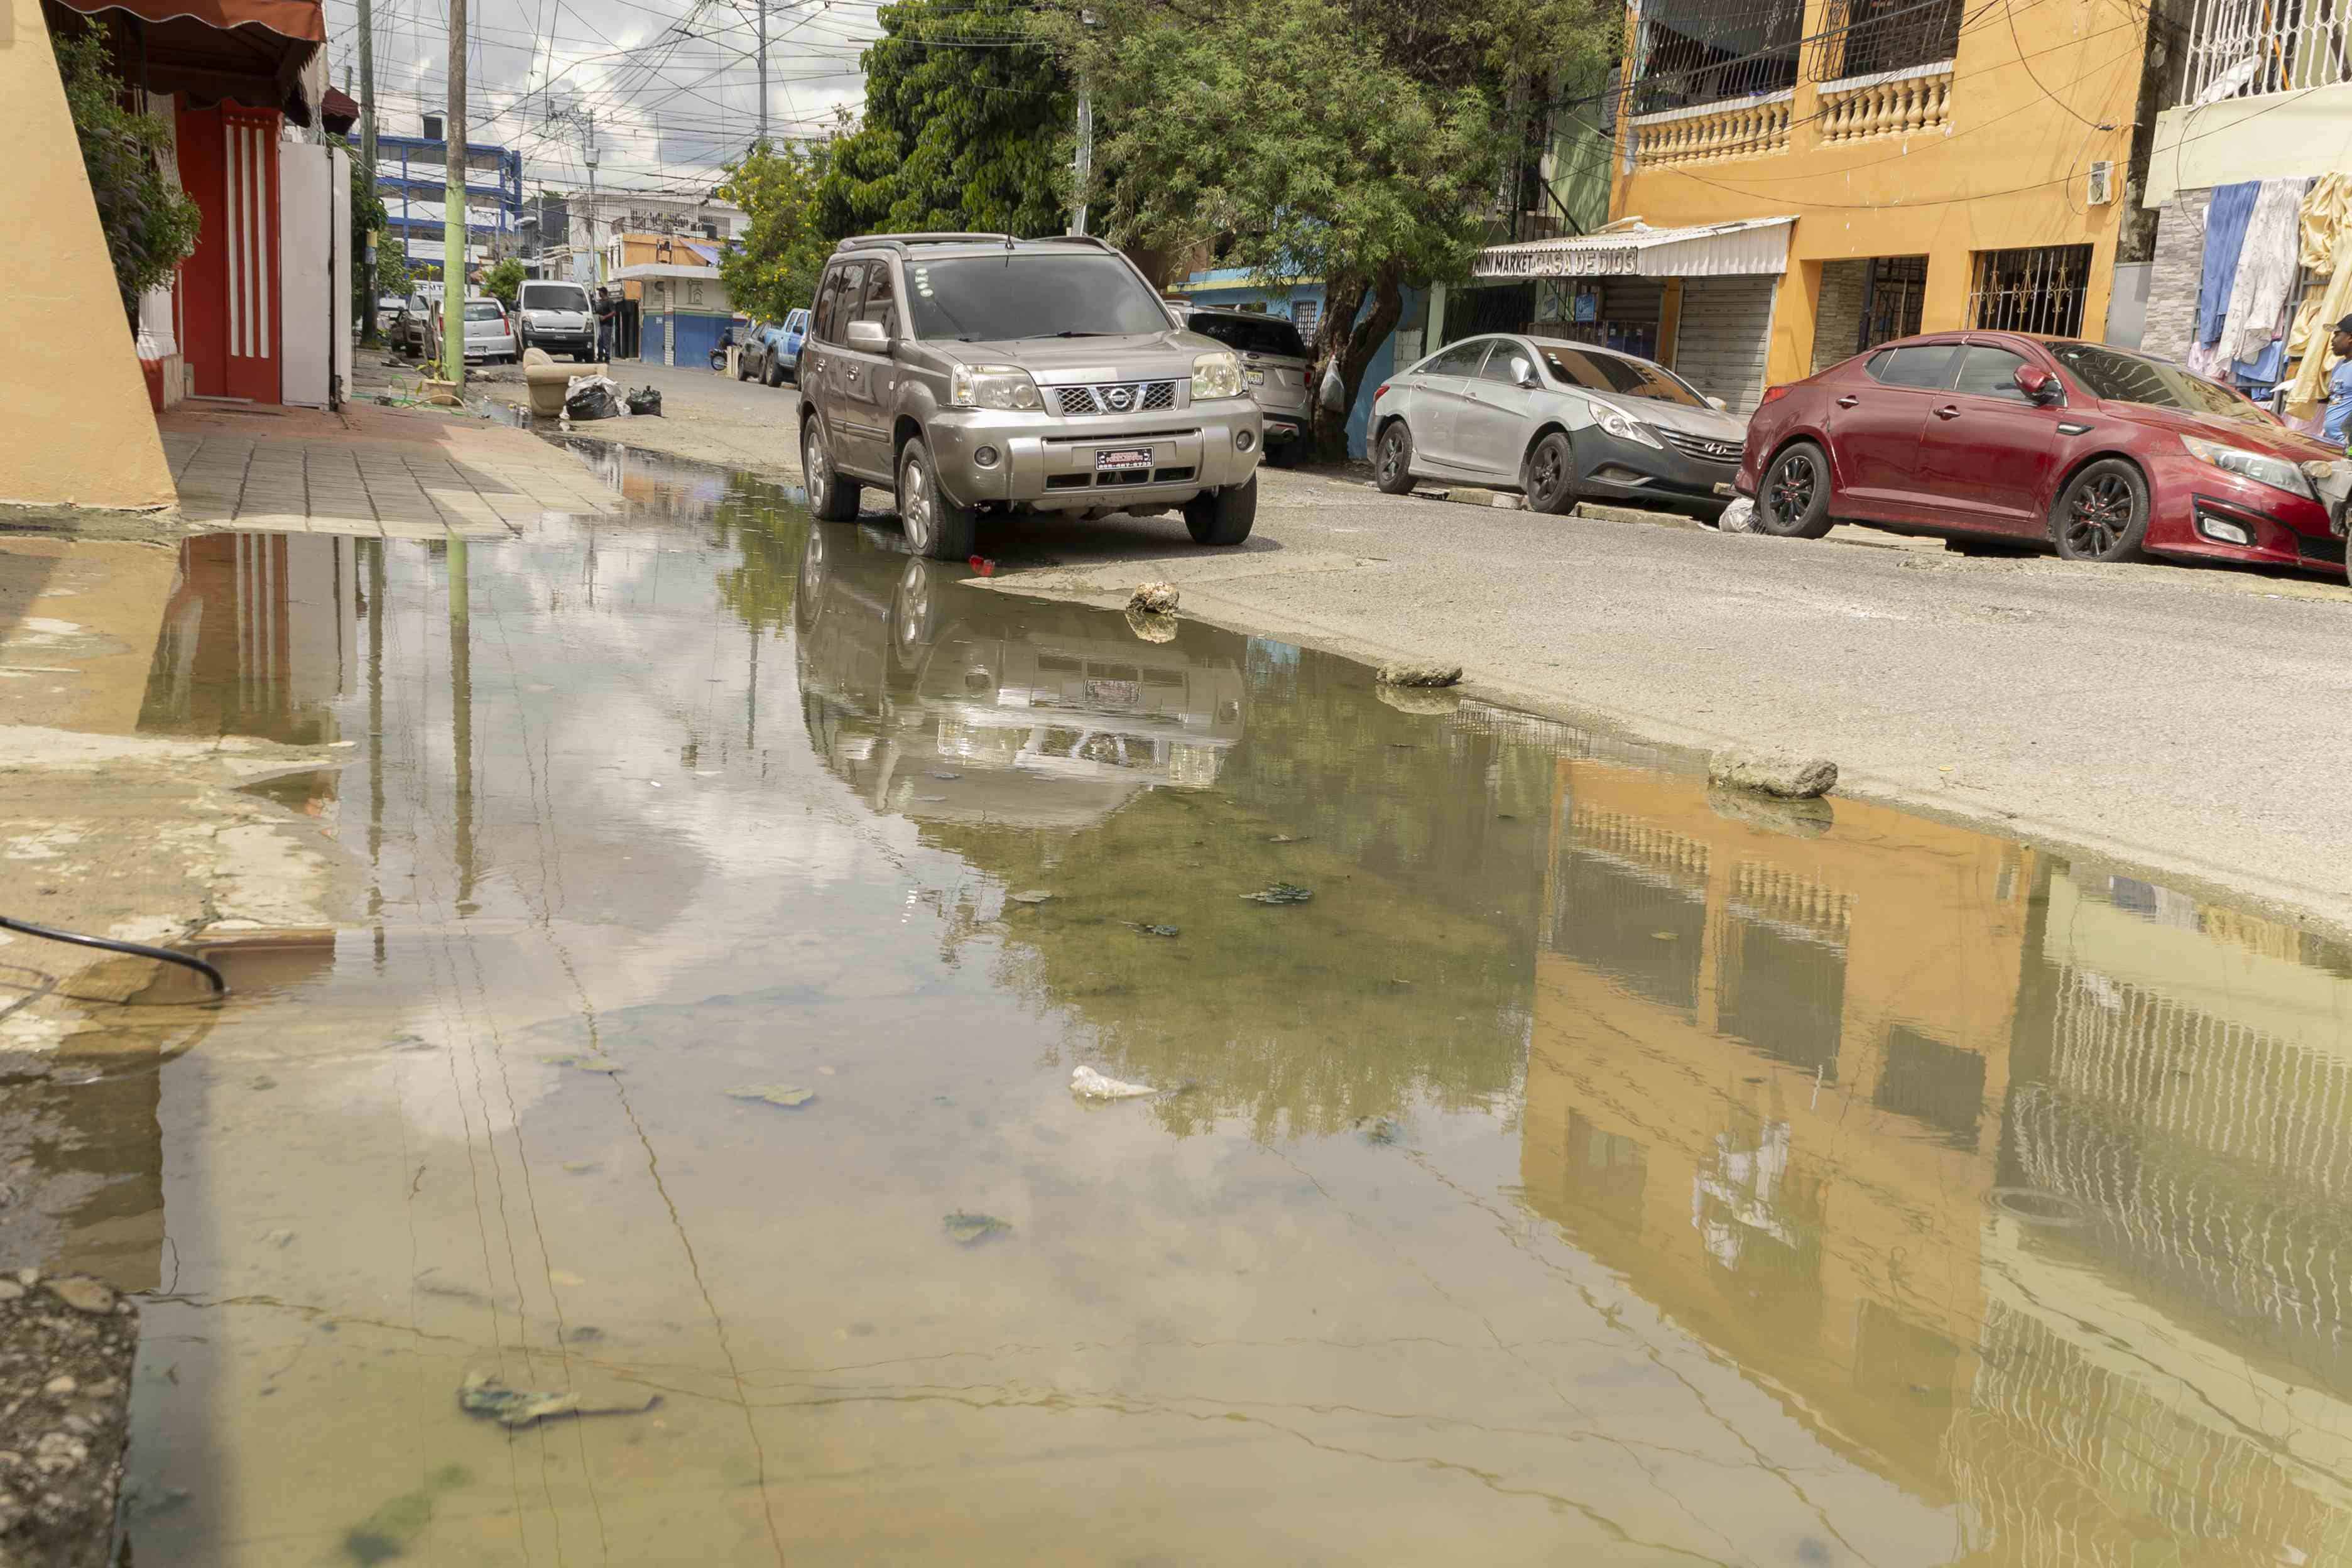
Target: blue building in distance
x=410 y=175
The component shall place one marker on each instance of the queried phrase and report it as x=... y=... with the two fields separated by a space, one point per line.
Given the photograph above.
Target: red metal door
x=228 y=288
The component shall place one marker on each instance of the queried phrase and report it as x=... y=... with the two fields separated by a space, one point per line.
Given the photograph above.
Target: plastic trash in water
x=1740 y=517
x=983 y=565
x=1088 y=1084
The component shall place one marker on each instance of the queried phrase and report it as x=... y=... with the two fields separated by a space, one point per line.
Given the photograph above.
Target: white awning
x=1755 y=245
x=646 y=272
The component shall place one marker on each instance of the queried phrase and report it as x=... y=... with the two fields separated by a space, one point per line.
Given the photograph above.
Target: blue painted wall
x=1231 y=287
x=697 y=334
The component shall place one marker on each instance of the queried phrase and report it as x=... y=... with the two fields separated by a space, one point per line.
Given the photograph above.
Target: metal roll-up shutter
x=1633 y=298
x=1725 y=328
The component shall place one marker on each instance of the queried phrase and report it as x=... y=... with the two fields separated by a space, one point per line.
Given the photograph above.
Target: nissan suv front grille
x=1114 y=397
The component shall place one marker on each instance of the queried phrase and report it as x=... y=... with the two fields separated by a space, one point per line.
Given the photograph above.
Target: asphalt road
x=2189 y=721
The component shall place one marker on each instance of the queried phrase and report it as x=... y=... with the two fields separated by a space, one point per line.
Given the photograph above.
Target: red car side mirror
x=2039 y=385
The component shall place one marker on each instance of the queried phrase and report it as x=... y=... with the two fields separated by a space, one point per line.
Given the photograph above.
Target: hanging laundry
x=2269 y=260
x=2326 y=234
x=2225 y=232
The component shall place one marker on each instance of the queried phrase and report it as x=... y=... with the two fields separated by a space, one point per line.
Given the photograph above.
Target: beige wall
x=75 y=424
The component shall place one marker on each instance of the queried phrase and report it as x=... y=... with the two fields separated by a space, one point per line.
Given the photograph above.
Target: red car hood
x=2269 y=439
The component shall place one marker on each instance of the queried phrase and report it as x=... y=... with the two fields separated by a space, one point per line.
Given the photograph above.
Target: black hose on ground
x=140 y=949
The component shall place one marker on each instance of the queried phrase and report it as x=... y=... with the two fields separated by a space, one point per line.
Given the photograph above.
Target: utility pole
x=763 y=5
x=367 y=334
x=595 y=251
x=1086 y=159
x=453 y=210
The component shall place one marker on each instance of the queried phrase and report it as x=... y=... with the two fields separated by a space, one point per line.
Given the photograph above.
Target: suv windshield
x=554 y=296
x=982 y=298
x=1251 y=334
x=2128 y=378
x=1617 y=377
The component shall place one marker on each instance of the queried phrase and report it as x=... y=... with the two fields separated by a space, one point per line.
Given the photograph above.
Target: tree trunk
x=1349 y=335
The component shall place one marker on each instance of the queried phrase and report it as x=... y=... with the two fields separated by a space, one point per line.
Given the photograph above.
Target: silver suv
x=977 y=373
x=1276 y=364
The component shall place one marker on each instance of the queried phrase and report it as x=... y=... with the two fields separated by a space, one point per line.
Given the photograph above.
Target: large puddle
x=1592 y=1170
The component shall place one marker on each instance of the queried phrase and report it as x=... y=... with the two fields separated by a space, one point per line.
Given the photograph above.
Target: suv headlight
x=1005 y=386
x=2276 y=472
x=1625 y=427
x=1216 y=375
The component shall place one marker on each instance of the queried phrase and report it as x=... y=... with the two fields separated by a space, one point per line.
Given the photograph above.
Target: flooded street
x=1594 y=1169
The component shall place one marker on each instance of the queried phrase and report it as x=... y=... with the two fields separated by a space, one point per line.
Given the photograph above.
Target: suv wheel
x=831 y=498
x=934 y=525
x=1225 y=517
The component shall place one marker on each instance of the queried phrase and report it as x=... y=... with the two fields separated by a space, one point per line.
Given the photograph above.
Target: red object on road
x=2104 y=453
x=983 y=565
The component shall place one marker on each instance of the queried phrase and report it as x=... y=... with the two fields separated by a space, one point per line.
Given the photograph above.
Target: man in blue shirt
x=2338 y=429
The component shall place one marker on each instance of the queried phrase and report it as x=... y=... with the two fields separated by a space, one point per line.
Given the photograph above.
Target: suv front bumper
x=1052 y=464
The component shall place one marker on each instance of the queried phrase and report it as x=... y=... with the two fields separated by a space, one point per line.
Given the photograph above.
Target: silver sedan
x=1559 y=421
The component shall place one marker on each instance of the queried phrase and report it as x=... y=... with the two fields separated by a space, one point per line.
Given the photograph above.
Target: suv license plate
x=1123 y=457
x=1256 y=378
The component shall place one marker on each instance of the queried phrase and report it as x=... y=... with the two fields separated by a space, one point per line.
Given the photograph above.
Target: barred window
x=2034 y=290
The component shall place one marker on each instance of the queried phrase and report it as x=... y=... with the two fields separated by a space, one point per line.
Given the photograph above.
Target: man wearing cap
x=2337 y=431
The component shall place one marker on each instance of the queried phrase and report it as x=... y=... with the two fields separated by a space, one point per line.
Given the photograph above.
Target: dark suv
x=977 y=373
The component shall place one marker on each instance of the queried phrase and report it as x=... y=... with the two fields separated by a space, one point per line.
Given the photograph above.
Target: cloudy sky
x=672 y=83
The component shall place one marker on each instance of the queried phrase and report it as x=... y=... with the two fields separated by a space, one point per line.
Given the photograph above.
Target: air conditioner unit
x=2102 y=185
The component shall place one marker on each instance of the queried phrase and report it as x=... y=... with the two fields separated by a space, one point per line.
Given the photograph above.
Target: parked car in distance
x=556 y=316
x=489 y=334
x=1558 y=421
x=2104 y=453
x=979 y=374
x=410 y=327
x=1275 y=362
x=387 y=314
x=771 y=351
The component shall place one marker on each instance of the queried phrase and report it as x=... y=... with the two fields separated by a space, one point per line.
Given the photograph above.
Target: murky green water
x=1592 y=1170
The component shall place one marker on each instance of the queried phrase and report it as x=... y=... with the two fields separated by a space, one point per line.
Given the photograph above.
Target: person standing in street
x=2336 y=430
x=608 y=313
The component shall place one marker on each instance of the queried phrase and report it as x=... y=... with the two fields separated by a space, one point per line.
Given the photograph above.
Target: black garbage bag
x=645 y=400
x=592 y=398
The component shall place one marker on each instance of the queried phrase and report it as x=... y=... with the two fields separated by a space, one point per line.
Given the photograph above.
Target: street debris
x=584 y=1061
x=773 y=1094
x=1151 y=628
x=938 y=774
x=1410 y=672
x=983 y=565
x=1280 y=893
x=1153 y=598
x=966 y=1229
x=1157 y=929
x=590 y=397
x=1288 y=839
x=1034 y=895
x=83 y=1294
x=1773 y=773
x=645 y=400
x=482 y=1394
x=1740 y=517
x=1088 y=1084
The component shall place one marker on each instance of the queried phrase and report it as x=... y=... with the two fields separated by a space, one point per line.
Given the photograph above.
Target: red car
x=2107 y=454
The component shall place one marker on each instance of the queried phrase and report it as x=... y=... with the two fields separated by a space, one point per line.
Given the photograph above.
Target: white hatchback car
x=489 y=334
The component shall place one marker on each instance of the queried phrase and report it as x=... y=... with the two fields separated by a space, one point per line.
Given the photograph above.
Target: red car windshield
x=2131 y=378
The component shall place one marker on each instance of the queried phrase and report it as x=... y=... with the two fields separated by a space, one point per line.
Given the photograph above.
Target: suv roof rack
x=906 y=241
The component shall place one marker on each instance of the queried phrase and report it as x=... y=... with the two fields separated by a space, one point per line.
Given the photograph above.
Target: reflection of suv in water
x=975 y=373
x=1276 y=365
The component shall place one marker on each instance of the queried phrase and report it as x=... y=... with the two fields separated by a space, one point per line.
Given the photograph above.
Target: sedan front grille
x=1115 y=397
x=1707 y=448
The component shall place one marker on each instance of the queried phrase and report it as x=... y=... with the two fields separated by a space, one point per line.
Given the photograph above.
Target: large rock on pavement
x=1775 y=773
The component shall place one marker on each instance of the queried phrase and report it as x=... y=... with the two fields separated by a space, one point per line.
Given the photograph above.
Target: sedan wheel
x=1551 y=475
x=1392 y=470
x=1794 y=501
x=2103 y=514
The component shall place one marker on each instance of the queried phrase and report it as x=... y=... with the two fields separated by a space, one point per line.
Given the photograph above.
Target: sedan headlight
x=1005 y=387
x=1625 y=427
x=2276 y=472
x=1216 y=375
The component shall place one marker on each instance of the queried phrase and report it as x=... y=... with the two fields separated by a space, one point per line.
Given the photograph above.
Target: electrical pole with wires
x=453 y=210
x=763 y=5
x=368 y=336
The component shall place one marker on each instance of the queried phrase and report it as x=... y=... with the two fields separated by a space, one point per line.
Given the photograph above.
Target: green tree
x=774 y=270
x=149 y=221
x=393 y=273
x=504 y=281
x=1367 y=144
x=368 y=218
x=967 y=114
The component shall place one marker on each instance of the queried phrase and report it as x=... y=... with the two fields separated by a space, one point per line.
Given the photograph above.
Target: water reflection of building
x=260 y=636
x=1049 y=715
x=2022 y=1187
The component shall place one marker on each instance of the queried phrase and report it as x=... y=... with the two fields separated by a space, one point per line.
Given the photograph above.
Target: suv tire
x=831 y=498
x=1225 y=517
x=935 y=526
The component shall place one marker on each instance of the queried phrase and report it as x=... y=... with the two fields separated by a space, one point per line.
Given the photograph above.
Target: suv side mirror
x=2039 y=385
x=869 y=337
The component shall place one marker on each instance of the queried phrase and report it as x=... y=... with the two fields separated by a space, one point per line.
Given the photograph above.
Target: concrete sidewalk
x=370 y=471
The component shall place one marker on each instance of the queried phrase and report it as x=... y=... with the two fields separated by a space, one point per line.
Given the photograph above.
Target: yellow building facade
x=1791 y=184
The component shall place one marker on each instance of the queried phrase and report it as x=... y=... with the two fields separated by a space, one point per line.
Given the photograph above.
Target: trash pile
x=590 y=397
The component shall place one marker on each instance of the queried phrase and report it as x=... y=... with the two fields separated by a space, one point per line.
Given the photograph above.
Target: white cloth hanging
x=2268 y=264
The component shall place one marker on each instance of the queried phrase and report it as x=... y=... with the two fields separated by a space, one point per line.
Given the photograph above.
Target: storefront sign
x=1609 y=261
